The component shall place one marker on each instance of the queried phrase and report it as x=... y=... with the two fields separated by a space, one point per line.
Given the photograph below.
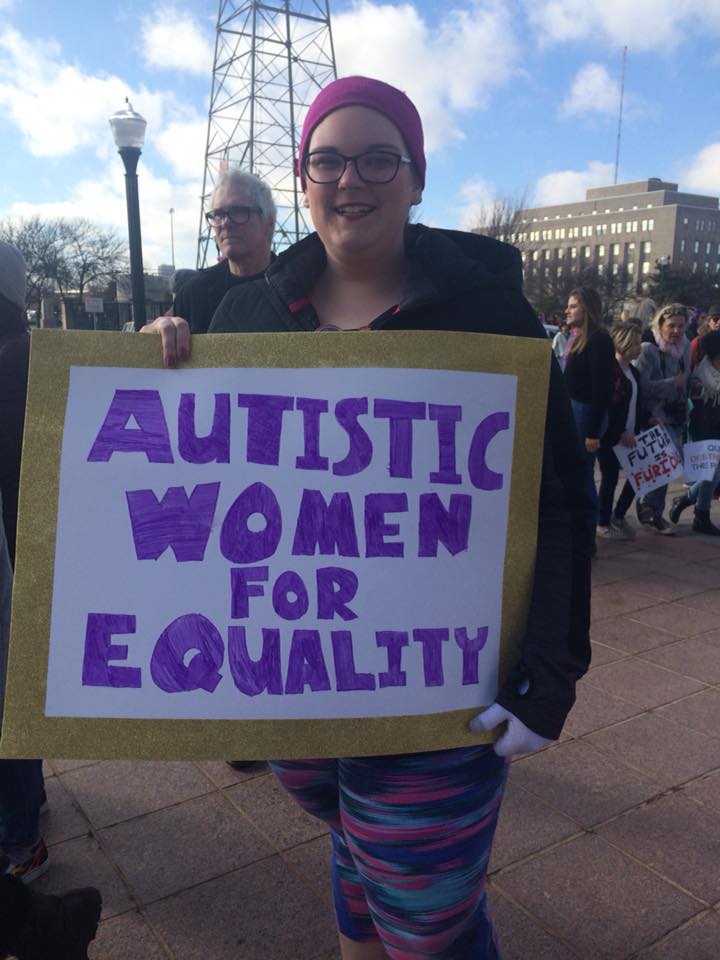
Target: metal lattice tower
x=270 y=61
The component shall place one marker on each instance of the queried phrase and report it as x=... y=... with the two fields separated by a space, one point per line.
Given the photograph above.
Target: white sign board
x=282 y=543
x=94 y=305
x=653 y=462
x=702 y=459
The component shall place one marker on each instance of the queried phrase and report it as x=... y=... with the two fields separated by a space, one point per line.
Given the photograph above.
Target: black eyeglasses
x=231 y=214
x=373 y=166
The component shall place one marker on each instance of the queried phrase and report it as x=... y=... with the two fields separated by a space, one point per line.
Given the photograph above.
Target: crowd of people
x=412 y=833
x=626 y=377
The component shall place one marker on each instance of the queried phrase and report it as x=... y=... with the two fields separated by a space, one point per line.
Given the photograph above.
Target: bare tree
x=69 y=257
x=504 y=219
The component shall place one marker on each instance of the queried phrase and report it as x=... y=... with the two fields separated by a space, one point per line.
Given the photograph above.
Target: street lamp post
x=128 y=130
x=172 y=237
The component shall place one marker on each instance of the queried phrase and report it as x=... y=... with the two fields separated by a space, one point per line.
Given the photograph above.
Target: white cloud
x=182 y=145
x=446 y=68
x=643 y=24
x=173 y=40
x=593 y=90
x=57 y=108
x=478 y=197
x=703 y=172
x=569 y=186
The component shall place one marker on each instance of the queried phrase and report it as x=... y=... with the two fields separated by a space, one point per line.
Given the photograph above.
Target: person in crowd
x=664 y=366
x=242 y=215
x=704 y=424
x=711 y=322
x=625 y=419
x=589 y=375
x=412 y=833
x=21 y=781
x=560 y=341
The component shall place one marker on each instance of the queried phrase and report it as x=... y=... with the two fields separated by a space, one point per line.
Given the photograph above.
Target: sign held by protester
x=653 y=462
x=701 y=460
x=247 y=555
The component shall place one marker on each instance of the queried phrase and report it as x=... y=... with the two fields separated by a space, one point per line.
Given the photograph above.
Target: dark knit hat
x=366 y=92
x=713 y=310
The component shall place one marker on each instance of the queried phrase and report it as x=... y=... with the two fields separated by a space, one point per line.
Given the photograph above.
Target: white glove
x=517 y=737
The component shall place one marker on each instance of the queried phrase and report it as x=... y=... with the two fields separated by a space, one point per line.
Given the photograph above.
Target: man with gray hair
x=242 y=214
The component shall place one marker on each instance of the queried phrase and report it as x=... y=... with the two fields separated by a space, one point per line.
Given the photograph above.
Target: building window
x=708 y=247
x=601 y=250
x=646 y=248
x=651 y=224
x=558 y=271
x=561 y=253
x=645 y=269
x=601 y=229
x=700 y=225
x=615 y=269
x=573 y=253
x=694 y=266
x=586 y=251
x=630 y=267
x=696 y=247
x=682 y=245
x=616 y=249
x=535 y=254
x=707 y=267
x=546 y=254
x=685 y=221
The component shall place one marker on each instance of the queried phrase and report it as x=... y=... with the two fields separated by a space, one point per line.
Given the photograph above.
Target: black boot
x=703 y=524
x=34 y=926
x=678 y=505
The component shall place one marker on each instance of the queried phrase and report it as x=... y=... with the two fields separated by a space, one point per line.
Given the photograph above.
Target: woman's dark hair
x=710 y=344
x=592 y=316
x=13 y=319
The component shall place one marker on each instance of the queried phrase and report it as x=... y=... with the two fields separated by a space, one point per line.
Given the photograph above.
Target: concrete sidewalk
x=608 y=845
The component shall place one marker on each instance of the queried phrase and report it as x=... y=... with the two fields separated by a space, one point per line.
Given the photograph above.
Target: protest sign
x=653 y=462
x=701 y=460
x=295 y=546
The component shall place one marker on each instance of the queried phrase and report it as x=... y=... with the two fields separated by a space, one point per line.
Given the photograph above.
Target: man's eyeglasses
x=231 y=214
x=373 y=166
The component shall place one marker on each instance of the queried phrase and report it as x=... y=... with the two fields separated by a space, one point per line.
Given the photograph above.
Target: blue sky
x=518 y=98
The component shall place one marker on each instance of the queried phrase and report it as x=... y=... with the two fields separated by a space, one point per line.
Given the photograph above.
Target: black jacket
x=466 y=282
x=589 y=375
x=198 y=299
x=14 y=356
x=620 y=404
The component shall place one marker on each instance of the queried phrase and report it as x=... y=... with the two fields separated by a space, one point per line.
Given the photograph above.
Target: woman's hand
x=517 y=738
x=628 y=440
x=174 y=335
x=592 y=445
x=681 y=380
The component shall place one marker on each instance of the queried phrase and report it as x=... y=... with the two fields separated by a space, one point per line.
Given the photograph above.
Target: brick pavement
x=608 y=846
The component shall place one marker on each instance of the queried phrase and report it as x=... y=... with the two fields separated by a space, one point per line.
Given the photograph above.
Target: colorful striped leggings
x=411 y=843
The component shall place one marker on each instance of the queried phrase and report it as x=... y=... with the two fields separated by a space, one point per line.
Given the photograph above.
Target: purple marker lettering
x=393 y=641
x=432 y=641
x=243 y=585
x=192 y=631
x=335 y=588
x=401 y=414
x=177 y=521
x=325 y=528
x=471 y=647
x=264 y=425
x=99 y=650
x=376 y=529
x=449 y=527
x=306 y=663
x=446 y=416
x=360 y=452
x=481 y=475
x=149 y=437
x=250 y=676
x=290 y=597
x=346 y=676
x=238 y=543
x=311 y=410
x=215 y=447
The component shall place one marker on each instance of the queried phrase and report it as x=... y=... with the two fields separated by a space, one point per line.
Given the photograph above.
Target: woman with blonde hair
x=664 y=366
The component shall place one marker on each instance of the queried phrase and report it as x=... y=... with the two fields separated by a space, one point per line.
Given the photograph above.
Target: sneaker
x=35 y=866
x=660 y=525
x=611 y=533
x=644 y=514
x=620 y=523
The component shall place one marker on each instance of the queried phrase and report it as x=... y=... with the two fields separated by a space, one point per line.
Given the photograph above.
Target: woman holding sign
x=664 y=366
x=412 y=833
x=704 y=425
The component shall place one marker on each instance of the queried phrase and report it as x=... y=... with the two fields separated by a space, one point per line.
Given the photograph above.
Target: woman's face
x=574 y=313
x=672 y=330
x=353 y=217
x=633 y=351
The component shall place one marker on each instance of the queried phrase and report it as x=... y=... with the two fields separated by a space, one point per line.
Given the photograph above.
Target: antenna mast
x=270 y=60
x=620 y=113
